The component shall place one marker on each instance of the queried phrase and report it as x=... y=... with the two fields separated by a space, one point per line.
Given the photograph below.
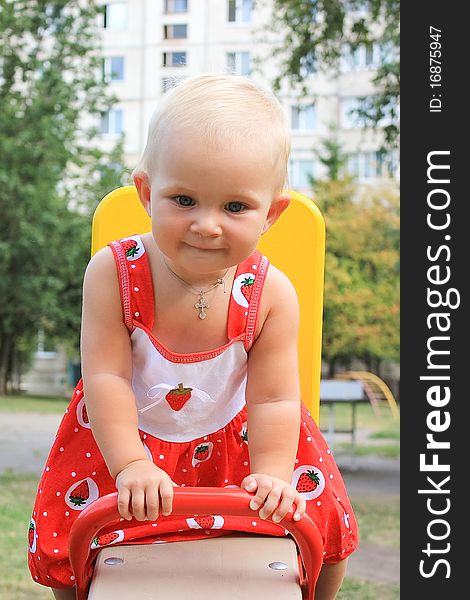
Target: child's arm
x=107 y=372
x=273 y=403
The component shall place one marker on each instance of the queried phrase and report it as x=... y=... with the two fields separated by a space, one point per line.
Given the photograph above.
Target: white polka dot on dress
x=254 y=523
x=44 y=514
x=161 y=457
x=136 y=289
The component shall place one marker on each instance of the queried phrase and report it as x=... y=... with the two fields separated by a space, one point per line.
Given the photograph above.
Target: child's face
x=210 y=205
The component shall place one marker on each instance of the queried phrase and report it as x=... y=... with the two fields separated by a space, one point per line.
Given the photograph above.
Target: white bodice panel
x=215 y=386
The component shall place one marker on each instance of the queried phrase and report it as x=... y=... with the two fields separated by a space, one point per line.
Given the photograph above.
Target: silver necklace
x=201 y=304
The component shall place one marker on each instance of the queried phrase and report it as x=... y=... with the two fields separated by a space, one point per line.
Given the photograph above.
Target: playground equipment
x=375 y=389
x=235 y=566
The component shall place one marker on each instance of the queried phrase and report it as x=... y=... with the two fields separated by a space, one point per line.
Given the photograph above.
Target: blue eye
x=184 y=200
x=235 y=207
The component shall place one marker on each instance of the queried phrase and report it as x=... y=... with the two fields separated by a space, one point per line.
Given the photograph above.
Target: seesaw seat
x=234 y=566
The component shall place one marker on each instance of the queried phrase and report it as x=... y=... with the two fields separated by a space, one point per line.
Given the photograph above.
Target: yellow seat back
x=295 y=244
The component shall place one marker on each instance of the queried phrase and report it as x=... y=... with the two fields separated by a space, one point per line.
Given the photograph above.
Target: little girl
x=189 y=349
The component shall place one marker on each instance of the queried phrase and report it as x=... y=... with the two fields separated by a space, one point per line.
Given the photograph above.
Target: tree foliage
x=317 y=33
x=361 y=303
x=50 y=86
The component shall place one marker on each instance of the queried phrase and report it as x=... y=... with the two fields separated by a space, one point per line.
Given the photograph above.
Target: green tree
x=361 y=303
x=317 y=33
x=361 y=317
x=50 y=85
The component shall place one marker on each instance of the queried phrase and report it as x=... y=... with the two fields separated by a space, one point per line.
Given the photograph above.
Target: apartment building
x=149 y=43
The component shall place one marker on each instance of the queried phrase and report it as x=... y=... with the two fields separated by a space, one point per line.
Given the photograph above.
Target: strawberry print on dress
x=133 y=247
x=75 y=473
x=106 y=539
x=243 y=288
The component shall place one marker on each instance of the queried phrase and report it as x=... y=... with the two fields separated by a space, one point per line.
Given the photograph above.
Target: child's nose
x=206 y=225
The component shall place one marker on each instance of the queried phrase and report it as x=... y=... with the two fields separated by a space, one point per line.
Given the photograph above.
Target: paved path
x=378 y=478
x=26 y=438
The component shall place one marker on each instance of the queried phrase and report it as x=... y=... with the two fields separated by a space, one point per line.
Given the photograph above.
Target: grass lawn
x=39 y=404
x=383 y=430
x=358 y=589
x=16 y=502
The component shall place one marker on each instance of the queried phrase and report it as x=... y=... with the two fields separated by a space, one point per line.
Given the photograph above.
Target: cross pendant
x=202 y=305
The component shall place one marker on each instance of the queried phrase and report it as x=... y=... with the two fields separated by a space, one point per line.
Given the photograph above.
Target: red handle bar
x=188 y=501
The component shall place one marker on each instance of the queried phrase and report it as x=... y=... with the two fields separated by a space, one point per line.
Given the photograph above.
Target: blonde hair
x=222 y=108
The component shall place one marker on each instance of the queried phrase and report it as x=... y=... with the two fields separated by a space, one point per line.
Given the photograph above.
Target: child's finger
x=265 y=485
x=270 y=503
x=124 y=497
x=166 y=495
x=249 y=484
x=138 y=504
x=287 y=500
x=151 y=502
x=301 y=507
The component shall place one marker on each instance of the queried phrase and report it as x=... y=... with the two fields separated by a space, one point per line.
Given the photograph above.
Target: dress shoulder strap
x=245 y=297
x=135 y=281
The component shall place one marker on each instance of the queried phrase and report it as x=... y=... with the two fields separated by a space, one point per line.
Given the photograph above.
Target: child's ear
x=278 y=206
x=141 y=182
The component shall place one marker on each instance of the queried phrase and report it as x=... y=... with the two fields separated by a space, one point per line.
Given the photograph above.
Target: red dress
x=192 y=423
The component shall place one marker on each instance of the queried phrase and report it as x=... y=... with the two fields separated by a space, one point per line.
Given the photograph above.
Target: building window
x=365 y=56
x=112 y=122
x=303 y=117
x=174 y=59
x=239 y=11
x=113 y=68
x=175 y=32
x=115 y=16
x=170 y=82
x=239 y=63
x=176 y=6
x=300 y=173
x=349 y=116
x=372 y=165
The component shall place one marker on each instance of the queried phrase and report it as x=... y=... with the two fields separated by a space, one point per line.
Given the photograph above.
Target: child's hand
x=275 y=497
x=141 y=485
